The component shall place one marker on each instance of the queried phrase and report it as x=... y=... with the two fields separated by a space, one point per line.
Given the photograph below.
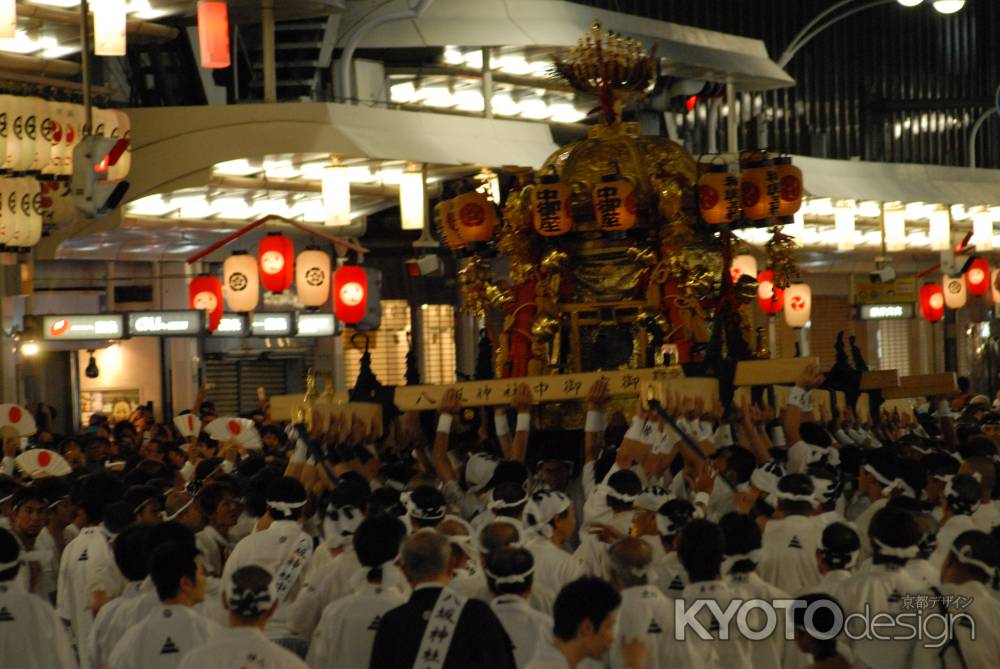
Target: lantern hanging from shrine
x=475 y=217
x=276 y=255
x=444 y=219
x=769 y=297
x=798 y=305
x=790 y=188
x=241 y=282
x=312 y=277
x=955 y=293
x=614 y=202
x=760 y=192
x=350 y=294
x=743 y=265
x=550 y=206
x=932 y=302
x=718 y=195
x=213 y=34
x=205 y=294
x=977 y=277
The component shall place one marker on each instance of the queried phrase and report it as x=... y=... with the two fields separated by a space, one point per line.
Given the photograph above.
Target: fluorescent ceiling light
x=236 y=168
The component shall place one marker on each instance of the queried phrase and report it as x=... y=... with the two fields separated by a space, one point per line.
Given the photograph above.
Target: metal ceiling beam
x=70 y=17
x=472 y=73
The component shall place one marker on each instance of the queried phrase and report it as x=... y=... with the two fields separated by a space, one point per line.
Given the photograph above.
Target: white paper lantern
x=7 y=220
x=798 y=305
x=337 y=196
x=744 y=265
x=895 y=228
x=32 y=204
x=940 y=231
x=8 y=19
x=36 y=125
x=109 y=27
x=412 y=198
x=982 y=229
x=76 y=119
x=19 y=206
x=843 y=218
x=23 y=152
x=955 y=293
x=312 y=277
x=52 y=132
x=5 y=145
x=241 y=282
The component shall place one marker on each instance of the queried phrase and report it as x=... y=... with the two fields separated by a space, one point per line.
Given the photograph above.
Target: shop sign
x=166 y=323
x=89 y=327
x=315 y=325
x=271 y=325
x=901 y=290
x=233 y=325
x=885 y=312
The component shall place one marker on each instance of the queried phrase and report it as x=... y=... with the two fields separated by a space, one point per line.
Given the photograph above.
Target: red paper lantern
x=350 y=294
x=276 y=258
x=977 y=277
x=718 y=195
x=205 y=294
x=770 y=299
x=932 y=301
x=213 y=33
x=790 y=188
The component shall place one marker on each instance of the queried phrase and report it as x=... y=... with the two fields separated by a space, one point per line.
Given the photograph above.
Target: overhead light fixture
x=844 y=218
x=894 y=222
x=109 y=27
x=8 y=18
x=982 y=229
x=909 y=3
x=412 y=198
x=948 y=6
x=337 y=196
x=797 y=228
x=940 y=229
x=29 y=349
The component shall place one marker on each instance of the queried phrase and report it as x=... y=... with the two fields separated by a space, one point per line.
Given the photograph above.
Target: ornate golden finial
x=609 y=66
x=305 y=414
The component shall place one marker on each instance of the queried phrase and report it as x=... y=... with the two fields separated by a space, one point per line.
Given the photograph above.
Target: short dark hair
x=742 y=535
x=96 y=492
x=586 y=598
x=895 y=528
x=28 y=494
x=623 y=482
x=377 y=539
x=287 y=490
x=740 y=462
x=701 y=549
x=170 y=563
x=212 y=495
x=506 y=562
x=130 y=552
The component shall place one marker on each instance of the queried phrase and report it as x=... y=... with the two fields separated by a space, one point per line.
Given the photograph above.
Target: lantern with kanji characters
x=798 y=305
x=769 y=297
x=213 y=33
x=205 y=294
x=350 y=294
x=955 y=293
x=718 y=195
x=276 y=255
x=241 y=282
x=932 y=302
x=550 y=205
x=444 y=219
x=977 y=277
x=614 y=203
x=760 y=192
x=743 y=265
x=790 y=188
x=312 y=277
x=475 y=217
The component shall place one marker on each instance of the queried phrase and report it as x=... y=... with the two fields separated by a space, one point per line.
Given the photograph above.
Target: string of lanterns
x=953 y=291
x=277 y=269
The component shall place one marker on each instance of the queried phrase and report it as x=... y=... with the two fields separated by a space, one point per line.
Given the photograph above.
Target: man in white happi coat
x=671 y=518
x=619 y=493
x=644 y=613
x=987 y=514
x=551 y=520
x=30 y=514
x=966 y=597
x=250 y=599
x=59 y=529
x=788 y=561
x=510 y=574
x=31 y=634
x=282 y=549
x=76 y=587
x=584 y=622
x=221 y=511
x=878 y=479
x=959 y=500
x=345 y=510
x=346 y=631
x=172 y=629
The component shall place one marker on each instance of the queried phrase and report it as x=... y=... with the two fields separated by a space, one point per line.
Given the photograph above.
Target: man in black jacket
x=438 y=628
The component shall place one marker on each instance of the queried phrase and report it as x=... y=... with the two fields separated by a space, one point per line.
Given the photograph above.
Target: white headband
x=796 y=497
x=4 y=566
x=511 y=579
x=964 y=556
x=904 y=553
x=500 y=504
x=250 y=603
x=6 y=499
x=285 y=507
x=951 y=495
x=620 y=496
x=179 y=511
x=754 y=556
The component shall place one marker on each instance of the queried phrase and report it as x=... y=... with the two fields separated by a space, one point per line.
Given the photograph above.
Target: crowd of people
x=468 y=538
